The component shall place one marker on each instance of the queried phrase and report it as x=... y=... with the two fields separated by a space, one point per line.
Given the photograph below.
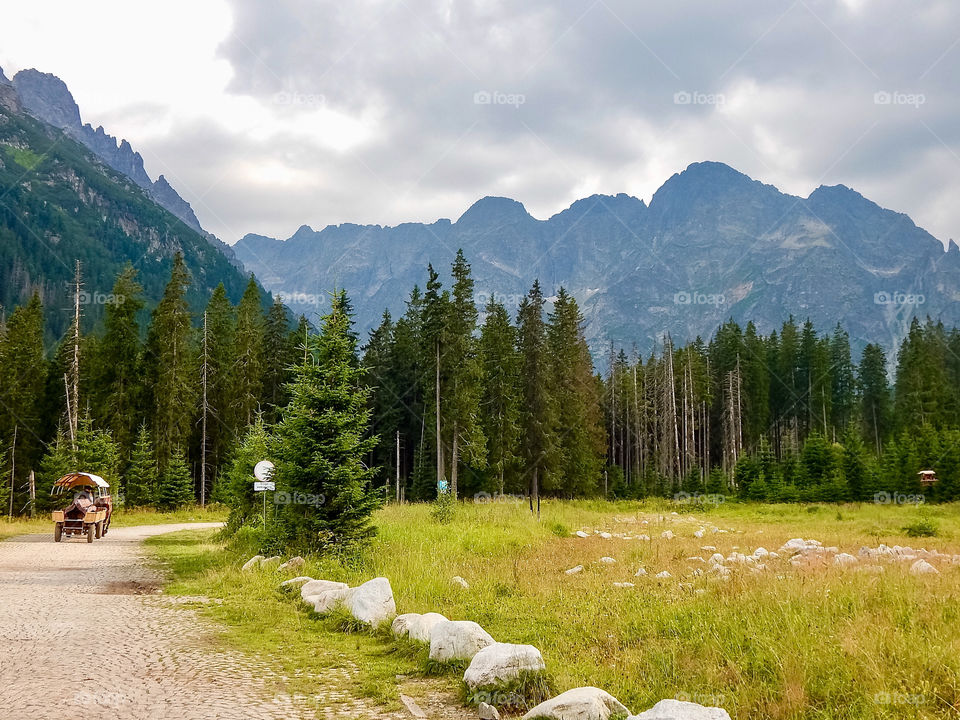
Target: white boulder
x=581 y=534
x=457 y=580
x=845 y=560
x=402 y=623
x=640 y=573
x=253 y=563
x=270 y=562
x=371 y=603
x=488 y=712
x=326 y=601
x=296 y=582
x=586 y=703
x=294 y=563
x=663 y=575
x=315 y=587
x=623 y=585
x=922 y=567
x=574 y=570
x=500 y=663
x=680 y=710
x=457 y=640
x=607 y=560
x=667 y=535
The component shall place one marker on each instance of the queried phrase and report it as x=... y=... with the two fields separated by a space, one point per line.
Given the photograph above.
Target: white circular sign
x=263 y=470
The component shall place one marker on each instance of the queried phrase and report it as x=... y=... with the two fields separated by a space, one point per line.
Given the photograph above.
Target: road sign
x=263 y=470
x=262 y=485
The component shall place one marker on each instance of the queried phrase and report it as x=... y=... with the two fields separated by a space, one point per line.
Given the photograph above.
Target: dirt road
x=83 y=635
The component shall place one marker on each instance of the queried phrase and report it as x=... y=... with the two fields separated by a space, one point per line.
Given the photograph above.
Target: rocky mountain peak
x=47 y=97
x=494 y=211
x=3 y=78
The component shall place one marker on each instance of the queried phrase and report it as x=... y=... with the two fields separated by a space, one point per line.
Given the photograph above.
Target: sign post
x=263 y=472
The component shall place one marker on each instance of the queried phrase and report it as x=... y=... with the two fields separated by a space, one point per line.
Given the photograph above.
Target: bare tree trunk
x=203 y=431
x=454 y=462
x=13 y=466
x=440 y=472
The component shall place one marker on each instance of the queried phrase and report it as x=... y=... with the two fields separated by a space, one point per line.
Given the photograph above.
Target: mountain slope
x=46 y=97
x=713 y=244
x=59 y=203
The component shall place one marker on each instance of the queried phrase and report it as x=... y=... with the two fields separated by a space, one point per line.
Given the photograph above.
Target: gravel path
x=82 y=635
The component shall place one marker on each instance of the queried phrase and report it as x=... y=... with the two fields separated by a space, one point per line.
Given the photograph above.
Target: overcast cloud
x=269 y=115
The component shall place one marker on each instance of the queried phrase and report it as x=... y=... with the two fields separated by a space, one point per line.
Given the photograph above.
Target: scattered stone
x=457 y=580
x=253 y=563
x=315 y=587
x=761 y=552
x=922 y=567
x=663 y=575
x=500 y=663
x=371 y=603
x=607 y=560
x=680 y=710
x=695 y=558
x=643 y=537
x=708 y=548
x=294 y=563
x=410 y=704
x=296 y=582
x=574 y=570
x=421 y=628
x=640 y=573
x=401 y=624
x=326 y=601
x=717 y=559
x=457 y=640
x=623 y=585
x=270 y=562
x=845 y=560
x=586 y=703
x=699 y=533
x=606 y=535
x=581 y=534
x=667 y=535
x=488 y=712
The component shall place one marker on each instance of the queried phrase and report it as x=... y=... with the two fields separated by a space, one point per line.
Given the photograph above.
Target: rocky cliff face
x=47 y=98
x=713 y=244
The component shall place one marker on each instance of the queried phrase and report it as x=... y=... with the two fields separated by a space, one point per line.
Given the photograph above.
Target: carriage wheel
x=91 y=529
x=98 y=529
x=57 y=532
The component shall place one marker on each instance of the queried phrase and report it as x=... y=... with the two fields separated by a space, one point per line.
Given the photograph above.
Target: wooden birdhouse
x=927 y=477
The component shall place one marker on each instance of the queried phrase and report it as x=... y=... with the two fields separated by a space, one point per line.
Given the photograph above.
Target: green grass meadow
x=787 y=642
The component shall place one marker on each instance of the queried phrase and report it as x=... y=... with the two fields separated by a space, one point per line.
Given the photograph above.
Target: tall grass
x=818 y=642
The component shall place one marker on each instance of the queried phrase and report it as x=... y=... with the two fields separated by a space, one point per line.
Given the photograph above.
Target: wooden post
x=13 y=464
x=33 y=494
x=398 y=466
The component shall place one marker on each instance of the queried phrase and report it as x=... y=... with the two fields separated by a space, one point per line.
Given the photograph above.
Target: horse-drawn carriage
x=90 y=512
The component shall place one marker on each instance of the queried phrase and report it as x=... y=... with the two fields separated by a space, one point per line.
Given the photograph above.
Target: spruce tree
x=176 y=485
x=538 y=420
x=322 y=440
x=581 y=438
x=117 y=382
x=277 y=359
x=141 y=475
x=248 y=368
x=236 y=482
x=875 y=405
x=171 y=364
x=500 y=407
x=221 y=352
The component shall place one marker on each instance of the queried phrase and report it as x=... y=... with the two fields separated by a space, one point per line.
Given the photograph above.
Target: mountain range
x=69 y=193
x=713 y=244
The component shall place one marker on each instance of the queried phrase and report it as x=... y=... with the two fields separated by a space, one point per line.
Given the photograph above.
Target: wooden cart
x=91 y=510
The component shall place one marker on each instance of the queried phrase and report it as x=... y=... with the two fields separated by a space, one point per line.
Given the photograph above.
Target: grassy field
x=785 y=642
x=121 y=518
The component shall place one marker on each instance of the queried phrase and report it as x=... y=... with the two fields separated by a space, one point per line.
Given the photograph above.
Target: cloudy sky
x=269 y=115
